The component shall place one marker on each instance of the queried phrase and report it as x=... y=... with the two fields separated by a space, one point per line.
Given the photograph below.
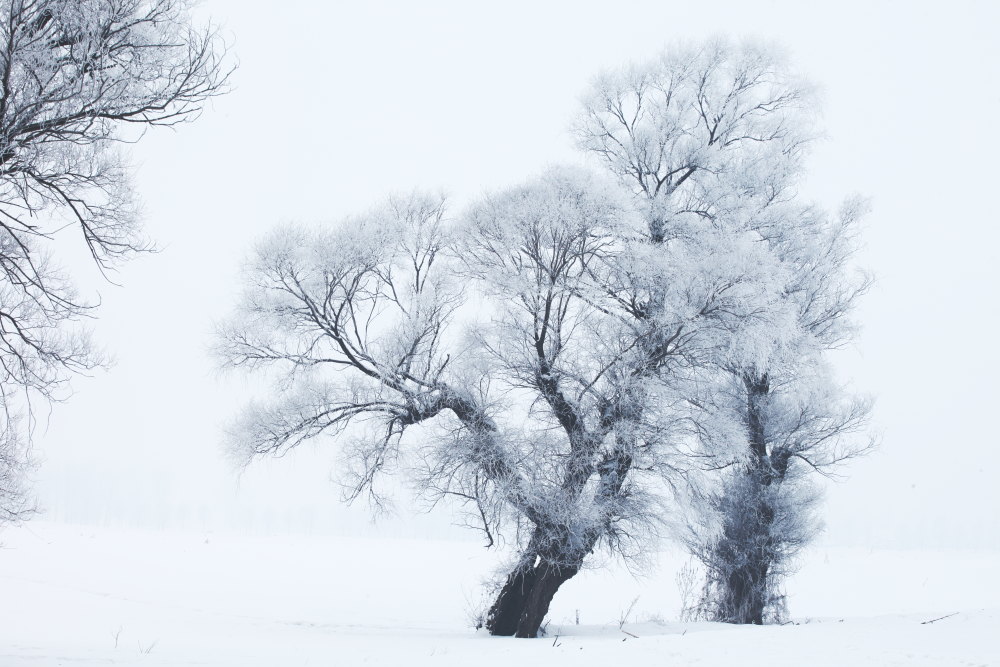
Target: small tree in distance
x=73 y=74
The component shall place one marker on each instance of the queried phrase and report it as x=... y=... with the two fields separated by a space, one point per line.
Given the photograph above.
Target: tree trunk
x=524 y=600
x=505 y=613
x=520 y=608
x=554 y=555
x=746 y=594
x=547 y=581
x=747 y=546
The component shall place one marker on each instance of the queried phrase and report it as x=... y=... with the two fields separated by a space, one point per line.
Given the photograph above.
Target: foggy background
x=337 y=104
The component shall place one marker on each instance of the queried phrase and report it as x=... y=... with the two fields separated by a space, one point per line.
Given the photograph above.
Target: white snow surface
x=76 y=595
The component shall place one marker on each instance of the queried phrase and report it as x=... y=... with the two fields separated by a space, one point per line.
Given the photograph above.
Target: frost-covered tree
x=564 y=263
x=711 y=137
x=522 y=338
x=15 y=462
x=77 y=78
x=566 y=342
x=796 y=421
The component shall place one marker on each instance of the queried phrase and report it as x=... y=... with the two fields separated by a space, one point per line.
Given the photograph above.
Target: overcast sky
x=336 y=104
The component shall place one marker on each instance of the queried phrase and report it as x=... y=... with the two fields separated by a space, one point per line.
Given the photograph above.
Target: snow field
x=86 y=596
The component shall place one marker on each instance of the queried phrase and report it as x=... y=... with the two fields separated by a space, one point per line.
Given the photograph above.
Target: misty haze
x=443 y=333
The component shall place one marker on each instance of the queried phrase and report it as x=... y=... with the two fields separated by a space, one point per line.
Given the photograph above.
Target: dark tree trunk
x=548 y=579
x=524 y=600
x=554 y=555
x=505 y=613
x=746 y=594
x=746 y=552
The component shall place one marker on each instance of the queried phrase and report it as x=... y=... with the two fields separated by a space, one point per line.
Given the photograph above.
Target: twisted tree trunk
x=526 y=595
x=554 y=555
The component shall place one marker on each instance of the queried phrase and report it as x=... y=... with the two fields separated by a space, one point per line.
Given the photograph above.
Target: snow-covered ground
x=76 y=595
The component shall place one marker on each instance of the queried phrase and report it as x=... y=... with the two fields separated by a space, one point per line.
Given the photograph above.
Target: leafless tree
x=797 y=422
x=524 y=340
x=15 y=462
x=512 y=336
x=712 y=138
x=553 y=343
x=74 y=76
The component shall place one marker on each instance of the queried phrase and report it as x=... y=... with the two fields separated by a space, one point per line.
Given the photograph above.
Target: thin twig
x=935 y=620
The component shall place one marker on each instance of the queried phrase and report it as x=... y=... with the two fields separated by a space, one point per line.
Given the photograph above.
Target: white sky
x=337 y=104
